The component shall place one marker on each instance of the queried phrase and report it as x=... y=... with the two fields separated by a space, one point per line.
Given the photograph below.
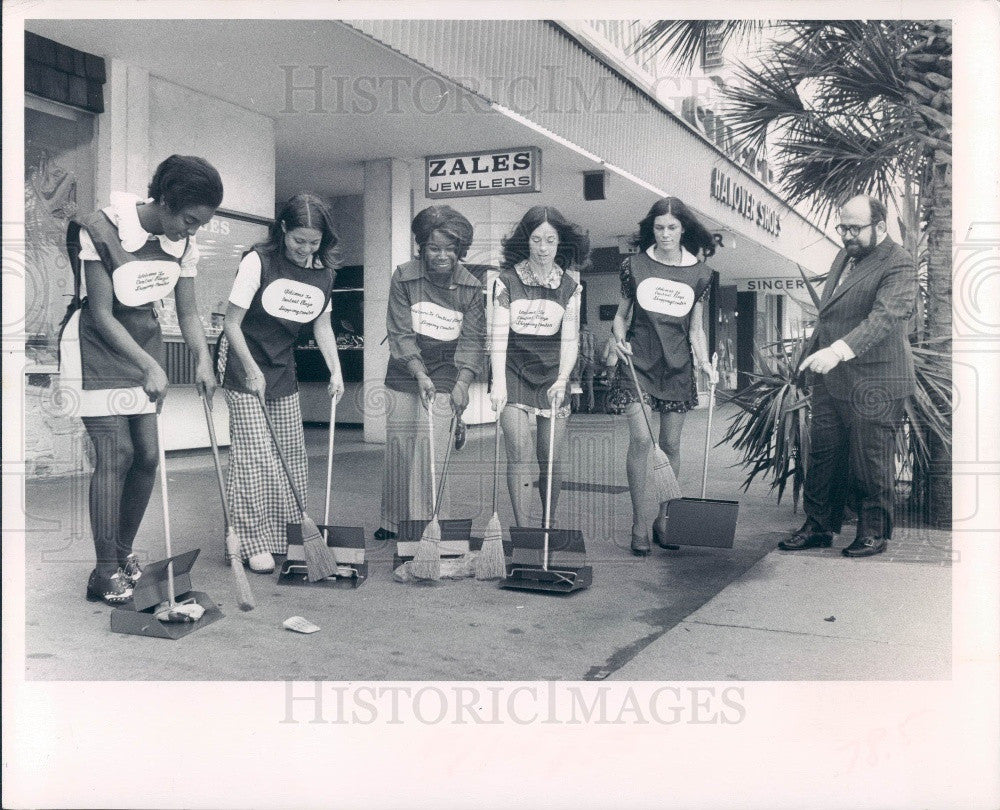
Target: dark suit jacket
x=870 y=312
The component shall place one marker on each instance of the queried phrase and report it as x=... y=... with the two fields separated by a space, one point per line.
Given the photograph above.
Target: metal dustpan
x=552 y=560
x=702 y=521
x=347 y=543
x=546 y=559
x=138 y=618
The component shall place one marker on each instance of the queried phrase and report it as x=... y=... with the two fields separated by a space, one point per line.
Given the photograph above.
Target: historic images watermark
x=317 y=90
x=322 y=702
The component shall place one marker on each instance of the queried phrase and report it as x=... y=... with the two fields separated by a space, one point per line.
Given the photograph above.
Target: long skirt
x=406 y=483
x=260 y=501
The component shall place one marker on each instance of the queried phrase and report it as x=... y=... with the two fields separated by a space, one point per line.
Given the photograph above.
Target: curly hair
x=446 y=220
x=305 y=211
x=574 y=244
x=695 y=236
x=183 y=181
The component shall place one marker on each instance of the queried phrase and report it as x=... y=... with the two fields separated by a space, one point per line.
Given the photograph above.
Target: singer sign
x=475 y=174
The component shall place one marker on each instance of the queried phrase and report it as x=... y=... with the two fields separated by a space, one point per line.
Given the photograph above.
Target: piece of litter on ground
x=830 y=619
x=520 y=607
x=299 y=625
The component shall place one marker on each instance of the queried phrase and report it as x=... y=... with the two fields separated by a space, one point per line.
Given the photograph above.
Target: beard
x=856 y=248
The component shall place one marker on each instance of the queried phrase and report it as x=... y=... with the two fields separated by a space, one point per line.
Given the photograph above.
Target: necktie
x=848 y=267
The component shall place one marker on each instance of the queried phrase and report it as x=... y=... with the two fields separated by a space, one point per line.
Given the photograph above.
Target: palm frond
x=687 y=40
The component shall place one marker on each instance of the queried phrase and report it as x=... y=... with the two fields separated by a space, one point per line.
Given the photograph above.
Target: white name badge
x=292 y=300
x=535 y=317
x=665 y=297
x=435 y=321
x=141 y=282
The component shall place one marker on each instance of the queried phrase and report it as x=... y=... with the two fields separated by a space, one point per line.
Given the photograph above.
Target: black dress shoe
x=806 y=537
x=460 y=434
x=660 y=535
x=866 y=547
x=384 y=534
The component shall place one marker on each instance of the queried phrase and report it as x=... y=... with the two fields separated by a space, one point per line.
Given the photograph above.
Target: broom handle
x=215 y=455
x=496 y=465
x=444 y=468
x=430 y=434
x=281 y=455
x=708 y=429
x=162 y=458
x=548 y=487
x=642 y=407
x=329 y=462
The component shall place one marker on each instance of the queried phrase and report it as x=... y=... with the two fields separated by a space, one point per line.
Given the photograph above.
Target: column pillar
x=387 y=218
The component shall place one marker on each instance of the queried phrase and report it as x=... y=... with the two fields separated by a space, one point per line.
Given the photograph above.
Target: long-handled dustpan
x=703 y=521
x=163 y=603
x=346 y=543
x=547 y=559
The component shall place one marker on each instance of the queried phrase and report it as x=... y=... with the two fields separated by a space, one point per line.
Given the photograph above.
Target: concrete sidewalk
x=749 y=612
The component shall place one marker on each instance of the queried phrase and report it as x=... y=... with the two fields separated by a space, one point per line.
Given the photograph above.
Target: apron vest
x=534 y=340
x=288 y=297
x=665 y=295
x=139 y=279
x=436 y=315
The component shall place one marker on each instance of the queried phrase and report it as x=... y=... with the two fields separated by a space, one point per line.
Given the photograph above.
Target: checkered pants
x=260 y=500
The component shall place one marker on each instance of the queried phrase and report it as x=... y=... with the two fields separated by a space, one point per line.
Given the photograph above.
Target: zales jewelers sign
x=740 y=199
x=473 y=174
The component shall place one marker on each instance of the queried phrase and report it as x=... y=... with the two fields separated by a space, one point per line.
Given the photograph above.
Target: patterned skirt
x=622 y=392
x=260 y=501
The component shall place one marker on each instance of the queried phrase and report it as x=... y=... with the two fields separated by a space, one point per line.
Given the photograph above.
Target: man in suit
x=860 y=368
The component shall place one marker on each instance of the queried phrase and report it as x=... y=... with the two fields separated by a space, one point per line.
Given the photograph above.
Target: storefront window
x=59 y=185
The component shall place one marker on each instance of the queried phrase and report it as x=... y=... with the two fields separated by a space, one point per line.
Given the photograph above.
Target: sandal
x=113 y=590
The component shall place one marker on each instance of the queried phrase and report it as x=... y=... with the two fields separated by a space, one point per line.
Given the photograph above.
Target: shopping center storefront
x=383 y=118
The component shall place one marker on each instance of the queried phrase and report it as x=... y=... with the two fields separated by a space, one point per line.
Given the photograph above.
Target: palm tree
x=843 y=107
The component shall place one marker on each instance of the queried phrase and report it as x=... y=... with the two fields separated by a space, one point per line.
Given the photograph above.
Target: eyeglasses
x=853 y=230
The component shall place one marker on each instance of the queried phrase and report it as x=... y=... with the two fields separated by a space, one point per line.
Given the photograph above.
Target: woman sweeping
x=134 y=253
x=534 y=346
x=663 y=288
x=280 y=287
x=436 y=322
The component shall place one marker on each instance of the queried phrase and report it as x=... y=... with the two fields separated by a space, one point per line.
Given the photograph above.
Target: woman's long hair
x=574 y=244
x=305 y=211
x=695 y=237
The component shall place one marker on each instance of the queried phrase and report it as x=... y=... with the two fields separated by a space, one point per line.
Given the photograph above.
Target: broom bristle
x=664 y=481
x=320 y=562
x=244 y=594
x=490 y=563
x=426 y=563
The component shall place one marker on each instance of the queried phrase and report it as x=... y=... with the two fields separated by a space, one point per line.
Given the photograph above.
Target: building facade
x=381 y=118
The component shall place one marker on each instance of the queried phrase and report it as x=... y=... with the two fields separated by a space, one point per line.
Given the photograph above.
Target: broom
x=664 y=480
x=320 y=563
x=426 y=563
x=244 y=594
x=490 y=562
